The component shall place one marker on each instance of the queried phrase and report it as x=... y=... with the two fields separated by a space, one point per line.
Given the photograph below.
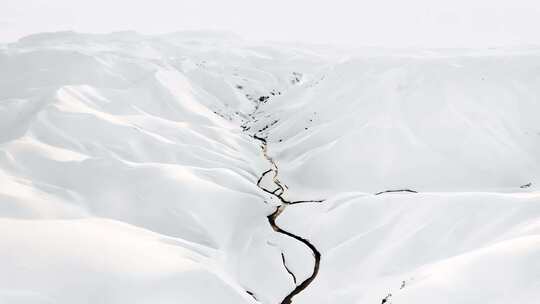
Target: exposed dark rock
x=525 y=186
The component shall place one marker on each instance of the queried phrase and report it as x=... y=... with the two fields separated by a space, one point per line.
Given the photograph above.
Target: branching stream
x=278 y=193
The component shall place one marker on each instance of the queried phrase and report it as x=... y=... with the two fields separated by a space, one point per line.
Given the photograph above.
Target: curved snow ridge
x=512 y=265
x=106 y=128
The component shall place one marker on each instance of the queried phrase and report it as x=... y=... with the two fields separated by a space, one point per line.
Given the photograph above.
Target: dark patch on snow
x=398 y=190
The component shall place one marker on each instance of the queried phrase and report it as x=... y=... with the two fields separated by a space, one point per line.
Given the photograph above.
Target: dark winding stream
x=278 y=193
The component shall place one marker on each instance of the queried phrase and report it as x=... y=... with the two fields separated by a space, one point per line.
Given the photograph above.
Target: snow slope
x=141 y=130
x=447 y=247
x=128 y=172
x=437 y=122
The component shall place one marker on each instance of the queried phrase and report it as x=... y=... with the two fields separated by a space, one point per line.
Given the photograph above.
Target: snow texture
x=129 y=172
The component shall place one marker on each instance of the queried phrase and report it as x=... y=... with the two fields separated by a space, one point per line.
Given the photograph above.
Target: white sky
x=433 y=23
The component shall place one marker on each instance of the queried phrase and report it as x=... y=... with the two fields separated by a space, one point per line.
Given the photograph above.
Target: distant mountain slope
x=437 y=122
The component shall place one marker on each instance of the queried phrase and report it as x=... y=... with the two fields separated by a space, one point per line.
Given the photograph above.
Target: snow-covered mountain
x=197 y=167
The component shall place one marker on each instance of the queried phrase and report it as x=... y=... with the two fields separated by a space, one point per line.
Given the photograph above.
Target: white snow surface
x=126 y=177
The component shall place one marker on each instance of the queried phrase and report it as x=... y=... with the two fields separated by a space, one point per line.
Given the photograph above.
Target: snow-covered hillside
x=148 y=169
